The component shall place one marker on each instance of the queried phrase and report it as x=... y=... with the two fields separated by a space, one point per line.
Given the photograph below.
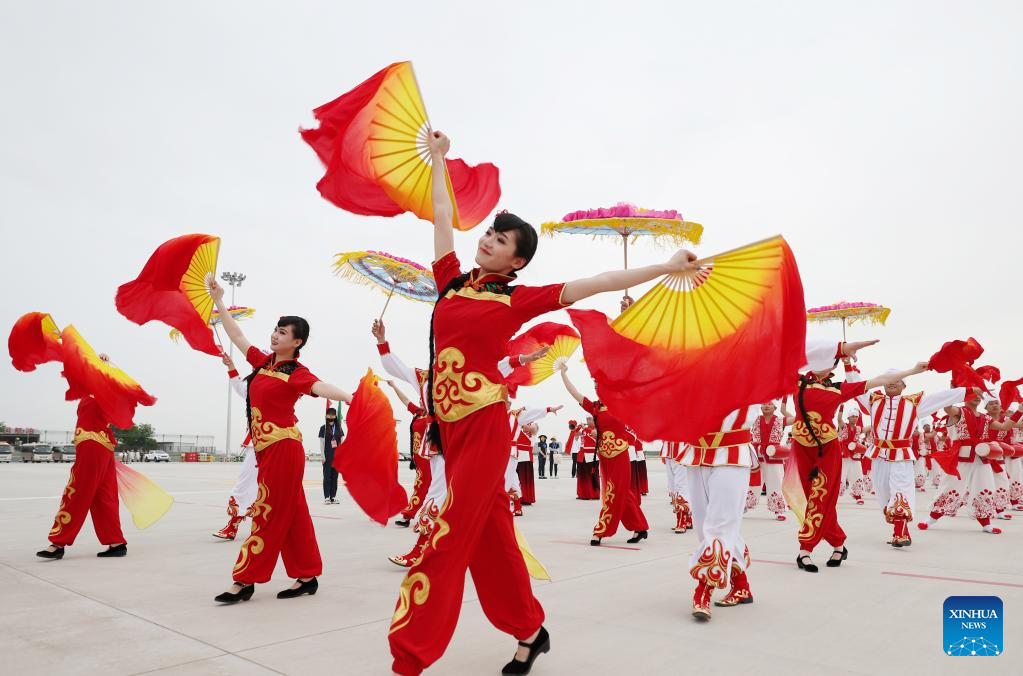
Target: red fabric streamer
x=34 y=340
x=158 y=294
x=342 y=144
x=368 y=457
x=114 y=390
x=954 y=353
x=1008 y=393
x=680 y=396
x=989 y=373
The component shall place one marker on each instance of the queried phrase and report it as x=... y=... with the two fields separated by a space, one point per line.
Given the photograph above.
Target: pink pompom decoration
x=620 y=210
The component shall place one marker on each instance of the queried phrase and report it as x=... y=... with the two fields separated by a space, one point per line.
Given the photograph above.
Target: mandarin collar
x=477 y=278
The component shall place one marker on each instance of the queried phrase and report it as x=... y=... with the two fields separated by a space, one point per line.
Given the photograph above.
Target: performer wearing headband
x=246 y=487
x=818 y=456
x=587 y=473
x=619 y=501
x=766 y=434
x=968 y=470
x=893 y=419
x=281 y=525
x=850 y=435
x=476 y=315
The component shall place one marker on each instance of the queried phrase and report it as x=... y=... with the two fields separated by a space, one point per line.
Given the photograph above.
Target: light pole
x=235 y=279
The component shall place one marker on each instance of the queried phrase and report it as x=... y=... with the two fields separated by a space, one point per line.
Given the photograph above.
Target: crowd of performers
x=472 y=451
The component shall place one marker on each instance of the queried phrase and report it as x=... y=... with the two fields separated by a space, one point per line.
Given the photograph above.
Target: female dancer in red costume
x=476 y=315
x=280 y=515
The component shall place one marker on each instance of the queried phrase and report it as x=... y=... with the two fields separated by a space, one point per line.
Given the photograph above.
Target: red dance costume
x=92 y=487
x=280 y=515
x=619 y=503
x=420 y=425
x=586 y=472
x=821 y=400
x=475 y=531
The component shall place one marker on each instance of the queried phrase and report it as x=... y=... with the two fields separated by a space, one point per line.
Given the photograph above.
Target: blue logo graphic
x=973 y=626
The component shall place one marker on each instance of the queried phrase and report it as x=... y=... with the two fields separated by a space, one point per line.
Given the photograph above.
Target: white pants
x=511 y=476
x=892 y=477
x=1015 y=468
x=852 y=471
x=246 y=488
x=771 y=475
x=717 y=496
x=1002 y=489
x=677 y=483
x=438 y=491
x=976 y=486
x=920 y=469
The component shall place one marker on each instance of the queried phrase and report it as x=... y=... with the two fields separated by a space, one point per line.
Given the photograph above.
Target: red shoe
x=400 y=561
x=701 y=602
x=229 y=531
x=859 y=501
x=780 y=517
x=739 y=594
x=922 y=525
x=994 y=531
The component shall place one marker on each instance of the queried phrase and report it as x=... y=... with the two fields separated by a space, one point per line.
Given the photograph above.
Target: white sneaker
x=326 y=501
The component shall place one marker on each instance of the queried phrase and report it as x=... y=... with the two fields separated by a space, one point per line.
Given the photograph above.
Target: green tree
x=136 y=438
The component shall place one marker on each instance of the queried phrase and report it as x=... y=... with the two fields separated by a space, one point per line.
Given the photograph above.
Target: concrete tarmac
x=616 y=609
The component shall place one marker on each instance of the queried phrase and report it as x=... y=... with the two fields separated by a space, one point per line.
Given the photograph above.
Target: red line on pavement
x=576 y=542
x=777 y=563
x=953 y=579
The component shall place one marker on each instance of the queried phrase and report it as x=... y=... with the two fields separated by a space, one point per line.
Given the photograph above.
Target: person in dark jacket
x=331 y=435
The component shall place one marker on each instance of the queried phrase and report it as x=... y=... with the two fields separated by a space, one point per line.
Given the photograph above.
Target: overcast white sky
x=882 y=139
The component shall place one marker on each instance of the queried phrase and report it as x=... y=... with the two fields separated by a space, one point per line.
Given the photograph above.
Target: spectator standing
x=540 y=449
x=554 y=451
x=331 y=435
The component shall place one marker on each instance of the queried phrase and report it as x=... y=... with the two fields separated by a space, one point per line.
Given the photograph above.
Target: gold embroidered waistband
x=266 y=433
x=100 y=438
x=458 y=392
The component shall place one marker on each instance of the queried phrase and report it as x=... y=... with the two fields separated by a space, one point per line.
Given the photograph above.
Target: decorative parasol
x=373 y=142
x=627 y=221
x=174 y=288
x=849 y=313
x=237 y=311
x=391 y=273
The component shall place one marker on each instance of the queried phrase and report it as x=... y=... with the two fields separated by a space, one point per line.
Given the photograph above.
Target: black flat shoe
x=114 y=550
x=402 y=523
x=640 y=535
x=244 y=594
x=595 y=542
x=541 y=644
x=809 y=566
x=57 y=553
x=835 y=563
x=308 y=587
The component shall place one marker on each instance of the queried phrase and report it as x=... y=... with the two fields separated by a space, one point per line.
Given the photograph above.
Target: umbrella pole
x=843 y=329
x=625 y=251
x=388 y=302
x=216 y=334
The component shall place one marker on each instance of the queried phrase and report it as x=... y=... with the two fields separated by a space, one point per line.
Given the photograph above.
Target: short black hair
x=525 y=234
x=299 y=329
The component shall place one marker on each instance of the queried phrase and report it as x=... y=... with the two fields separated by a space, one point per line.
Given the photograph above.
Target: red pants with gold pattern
x=619 y=503
x=820 y=521
x=419 y=488
x=473 y=531
x=92 y=487
x=280 y=519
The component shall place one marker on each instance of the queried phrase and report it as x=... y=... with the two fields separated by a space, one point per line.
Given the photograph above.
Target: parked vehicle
x=36 y=452
x=155 y=456
x=6 y=452
x=64 y=453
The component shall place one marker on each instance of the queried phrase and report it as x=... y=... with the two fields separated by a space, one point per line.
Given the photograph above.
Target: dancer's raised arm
x=230 y=324
x=619 y=280
x=572 y=391
x=443 y=210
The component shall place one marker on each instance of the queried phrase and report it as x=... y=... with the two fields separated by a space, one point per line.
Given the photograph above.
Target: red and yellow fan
x=34 y=340
x=728 y=334
x=563 y=342
x=115 y=391
x=174 y=288
x=373 y=142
